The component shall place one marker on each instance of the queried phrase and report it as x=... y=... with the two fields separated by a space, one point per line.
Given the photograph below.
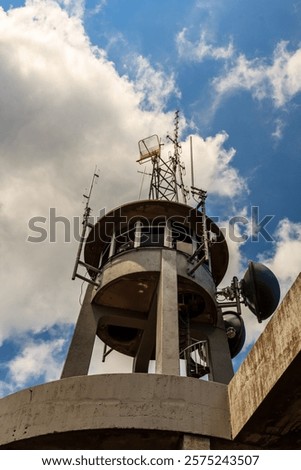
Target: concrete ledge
x=264 y=394
x=116 y=401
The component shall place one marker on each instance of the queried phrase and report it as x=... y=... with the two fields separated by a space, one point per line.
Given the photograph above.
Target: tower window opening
x=191 y=304
x=152 y=235
x=120 y=242
x=182 y=239
x=180 y=232
x=125 y=240
x=104 y=255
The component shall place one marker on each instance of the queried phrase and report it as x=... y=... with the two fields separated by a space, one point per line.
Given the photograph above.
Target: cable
x=81 y=292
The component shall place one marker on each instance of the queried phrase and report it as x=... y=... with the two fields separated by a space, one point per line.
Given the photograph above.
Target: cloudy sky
x=81 y=84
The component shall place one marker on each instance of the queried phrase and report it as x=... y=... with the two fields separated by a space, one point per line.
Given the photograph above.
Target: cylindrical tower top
x=159 y=223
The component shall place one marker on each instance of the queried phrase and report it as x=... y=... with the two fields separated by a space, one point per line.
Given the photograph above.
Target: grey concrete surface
x=167 y=337
x=110 y=403
x=265 y=393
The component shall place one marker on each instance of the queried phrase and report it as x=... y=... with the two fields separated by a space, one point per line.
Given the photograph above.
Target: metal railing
x=196 y=357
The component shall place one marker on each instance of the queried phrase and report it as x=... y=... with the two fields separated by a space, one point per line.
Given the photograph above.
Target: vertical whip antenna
x=86 y=224
x=191 y=162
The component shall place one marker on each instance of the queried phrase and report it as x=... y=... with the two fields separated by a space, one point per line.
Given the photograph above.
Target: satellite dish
x=261 y=290
x=235 y=331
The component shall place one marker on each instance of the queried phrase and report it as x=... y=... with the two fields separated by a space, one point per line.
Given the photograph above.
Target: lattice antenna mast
x=203 y=248
x=177 y=165
x=86 y=225
x=167 y=176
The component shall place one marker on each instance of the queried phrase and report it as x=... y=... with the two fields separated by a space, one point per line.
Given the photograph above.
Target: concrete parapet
x=113 y=403
x=265 y=393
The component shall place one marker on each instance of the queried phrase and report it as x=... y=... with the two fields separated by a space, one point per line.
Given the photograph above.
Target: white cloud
x=213 y=165
x=278 y=79
x=285 y=261
x=36 y=361
x=6 y=388
x=278 y=132
x=64 y=108
x=153 y=85
x=97 y=8
x=201 y=49
x=74 y=8
x=119 y=363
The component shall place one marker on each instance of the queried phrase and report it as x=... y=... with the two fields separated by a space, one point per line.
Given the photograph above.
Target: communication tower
x=154 y=269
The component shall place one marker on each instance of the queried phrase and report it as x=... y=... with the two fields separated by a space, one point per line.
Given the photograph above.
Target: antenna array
x=167 y=176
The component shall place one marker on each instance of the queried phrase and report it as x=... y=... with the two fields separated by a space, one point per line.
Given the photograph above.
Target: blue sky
x=81 y=84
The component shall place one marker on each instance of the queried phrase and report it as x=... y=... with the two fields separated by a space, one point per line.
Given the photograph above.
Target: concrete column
x=220 y=362
x=167 y=337
x=195 y=442
x=148 y=340
x=82 y=343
